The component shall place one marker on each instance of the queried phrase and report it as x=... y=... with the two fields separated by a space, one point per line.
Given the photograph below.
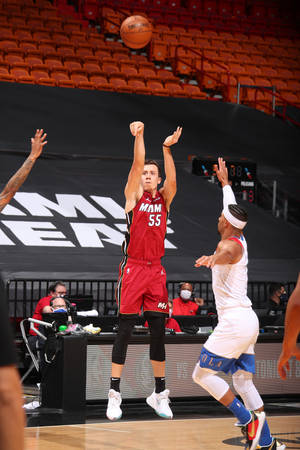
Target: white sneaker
x=32 y=405
x=160 y=403
x=114 y=411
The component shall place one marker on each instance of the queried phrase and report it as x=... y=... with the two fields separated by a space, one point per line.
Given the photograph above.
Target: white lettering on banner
x=87 y=234
x=66 y=205
x=4 y=240
x=110 y=206
x=39 y=233
x=12 y=211
x=31 y=233
x=182 y=369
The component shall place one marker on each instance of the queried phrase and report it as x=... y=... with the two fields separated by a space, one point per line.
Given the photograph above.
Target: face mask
x=60 y=310
x=185 y=294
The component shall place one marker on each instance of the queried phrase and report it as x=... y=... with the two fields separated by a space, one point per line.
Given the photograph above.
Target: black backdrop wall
x=67 y=220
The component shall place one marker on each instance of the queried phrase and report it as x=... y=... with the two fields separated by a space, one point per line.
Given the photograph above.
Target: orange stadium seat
x=159 y=51
x=166 y=75
x=84 y=51
x=42 y=77
x=128 y=69
x=78 y=38
x=92 y=68
x=71 y=26
x=29 y=47
x=81 y=81
x=72 y=65
x=174 y=88
x=17 y=21
x=21 y=75
x=279 y=84
x=269 y=71
x=33 y=60
x=62 y=79
x=138 y=86
x=194 y=91
x=22 y=34
x=7 y=44
x=45 y=49
x=293 y=85
x=5 y=75
x=100 y=82
x=34 y=23
x=157 y=88
x=102 y=53
x=65 y=50
x=252 y=70
x=119 y=83
x=110 y=67
x=53 y=62
x=147 y=72
x=15 y=59
x=95 y=39
x=54 y=23
x=59 y=37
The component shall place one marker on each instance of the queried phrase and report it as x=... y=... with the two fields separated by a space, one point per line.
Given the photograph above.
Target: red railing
x=270 y=108
x=202 y=71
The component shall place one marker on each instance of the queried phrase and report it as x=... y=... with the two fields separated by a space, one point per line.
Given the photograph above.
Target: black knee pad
x=121 y=342
x=157 y=338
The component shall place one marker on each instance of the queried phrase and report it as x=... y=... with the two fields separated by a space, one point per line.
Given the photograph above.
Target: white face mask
x=185 y=294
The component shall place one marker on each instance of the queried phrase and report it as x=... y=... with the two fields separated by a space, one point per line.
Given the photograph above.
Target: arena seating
x=196 y=46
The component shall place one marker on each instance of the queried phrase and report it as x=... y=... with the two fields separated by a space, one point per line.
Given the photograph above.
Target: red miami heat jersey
x=146 y=228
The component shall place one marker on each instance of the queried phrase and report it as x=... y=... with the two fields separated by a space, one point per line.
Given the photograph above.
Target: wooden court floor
x=180 y=434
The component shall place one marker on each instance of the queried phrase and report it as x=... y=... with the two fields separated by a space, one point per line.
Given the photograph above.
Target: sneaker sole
x=114 y=419
x=163 y=416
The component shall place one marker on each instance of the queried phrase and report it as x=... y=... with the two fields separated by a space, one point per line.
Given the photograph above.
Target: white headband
x=240 y=224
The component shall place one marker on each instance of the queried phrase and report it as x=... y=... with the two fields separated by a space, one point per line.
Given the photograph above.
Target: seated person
x=184 y=305
x=277 y=301
x=57 y=289
x=57 y=304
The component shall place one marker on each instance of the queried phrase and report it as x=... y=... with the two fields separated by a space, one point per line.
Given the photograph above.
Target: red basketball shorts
x=141 y=284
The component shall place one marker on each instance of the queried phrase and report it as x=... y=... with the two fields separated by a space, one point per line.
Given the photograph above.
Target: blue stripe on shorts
x=228 y=365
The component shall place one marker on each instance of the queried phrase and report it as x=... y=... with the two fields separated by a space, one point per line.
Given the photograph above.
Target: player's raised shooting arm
x=16 y=181
x=222 y=174
x=133 y=189
x=169 y=188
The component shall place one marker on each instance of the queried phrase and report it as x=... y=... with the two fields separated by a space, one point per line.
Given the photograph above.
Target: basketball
x=136 y=31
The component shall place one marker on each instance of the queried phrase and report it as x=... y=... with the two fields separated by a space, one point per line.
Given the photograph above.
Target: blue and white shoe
x=160 y=404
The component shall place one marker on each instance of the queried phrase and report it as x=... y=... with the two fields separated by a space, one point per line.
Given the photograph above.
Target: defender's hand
x=206 y=261
x=37 y=143
x=222 y=172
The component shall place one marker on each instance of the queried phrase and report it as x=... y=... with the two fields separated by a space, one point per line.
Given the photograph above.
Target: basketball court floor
x=197 y=425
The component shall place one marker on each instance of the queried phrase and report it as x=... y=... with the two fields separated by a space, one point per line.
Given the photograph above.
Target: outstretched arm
x=291 y=332
x=169 y=188
x=222 y=174
x=227 y=252
x=133 y=190
x=16 y=181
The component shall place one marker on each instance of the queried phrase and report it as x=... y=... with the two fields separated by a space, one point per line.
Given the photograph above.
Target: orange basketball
x=136 y=31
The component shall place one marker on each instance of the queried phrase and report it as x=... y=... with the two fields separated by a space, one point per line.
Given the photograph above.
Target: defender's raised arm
x=16 y=181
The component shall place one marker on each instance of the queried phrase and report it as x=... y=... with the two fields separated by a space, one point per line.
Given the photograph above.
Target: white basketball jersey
x=229 y=281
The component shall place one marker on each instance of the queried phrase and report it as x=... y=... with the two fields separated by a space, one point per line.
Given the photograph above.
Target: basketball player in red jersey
x=142 y=279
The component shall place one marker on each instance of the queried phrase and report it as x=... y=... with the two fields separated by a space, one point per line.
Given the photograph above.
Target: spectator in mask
x=277 y=299
x=185 y=304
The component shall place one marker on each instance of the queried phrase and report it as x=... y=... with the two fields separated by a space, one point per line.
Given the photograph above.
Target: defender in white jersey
x=230 y=348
